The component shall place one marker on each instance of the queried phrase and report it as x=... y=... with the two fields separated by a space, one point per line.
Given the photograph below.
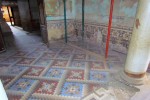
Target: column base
x=131 y=80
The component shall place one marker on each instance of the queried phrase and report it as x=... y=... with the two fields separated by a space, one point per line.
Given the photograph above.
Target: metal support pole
x=65 y=22
x=83 y=19
x=109 y=27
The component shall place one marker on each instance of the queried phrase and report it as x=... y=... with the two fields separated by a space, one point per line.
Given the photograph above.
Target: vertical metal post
x=83 y=19
x=109 y=27
x=65 y=22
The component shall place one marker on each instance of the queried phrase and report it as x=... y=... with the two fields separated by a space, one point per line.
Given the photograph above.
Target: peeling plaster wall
x=96 y=22
x=55 y=18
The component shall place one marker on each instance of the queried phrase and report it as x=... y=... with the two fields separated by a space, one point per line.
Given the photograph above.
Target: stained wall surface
x=96 y=20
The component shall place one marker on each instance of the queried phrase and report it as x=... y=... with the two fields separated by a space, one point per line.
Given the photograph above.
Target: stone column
x=139 y=49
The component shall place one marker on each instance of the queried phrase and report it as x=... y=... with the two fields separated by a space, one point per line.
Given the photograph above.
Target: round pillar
x=139 y=49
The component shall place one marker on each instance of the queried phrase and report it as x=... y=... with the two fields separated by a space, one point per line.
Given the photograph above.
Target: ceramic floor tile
x=34 y=71
x=59 y=63
x=46 y=87
x=79 y=57
x=77 y=64
x=76 y=74
x=97 y=65
x=22 y=85
x=63 y=56
x=72 y=89
x=48 y=55
x=10 y=60
x=54 y=73
x=34 y=54
x=6 y=79
x=99 y=76
x=16 y=70
x=26 y=61
x=14 y=97
x=42 y=62
x=20 y=53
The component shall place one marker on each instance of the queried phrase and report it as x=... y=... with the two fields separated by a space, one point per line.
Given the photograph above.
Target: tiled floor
x=31 y=71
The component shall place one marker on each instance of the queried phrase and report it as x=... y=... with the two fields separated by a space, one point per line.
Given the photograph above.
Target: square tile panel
x=42 y=62
x=93 y=87
x=14 y=97
x=26 y=61
x=67 y=50
x=54 y=50
x=46 y=87
x=48 y=55
x=6 y=79
x=99 y=76
x=77 y=64
x=79 y=52
x=72 y=89
x=2 y=59
x=22 y=85
x=4 y=68
x=34 y=71
x=75 y=74
x=54 y=73
x=16 y=70
x=63 y=56
x=34 y=54
x=80 y=56
x=59 y=63
x=96 y=65
x=20 y=53
x=11 y=60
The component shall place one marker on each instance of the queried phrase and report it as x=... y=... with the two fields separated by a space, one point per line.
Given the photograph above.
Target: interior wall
x=55 y=18
x=25 y=15
x=96 y=22
x=34 y=14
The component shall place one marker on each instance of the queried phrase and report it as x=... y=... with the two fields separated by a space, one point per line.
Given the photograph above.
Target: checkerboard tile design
x=62 y=72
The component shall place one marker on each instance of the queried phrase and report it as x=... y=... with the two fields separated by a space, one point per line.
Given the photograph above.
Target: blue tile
x=99 y=76
x=72 y=89
x=54 y=73
x=22 y=85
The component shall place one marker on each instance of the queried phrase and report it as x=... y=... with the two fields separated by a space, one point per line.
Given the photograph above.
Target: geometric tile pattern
x=55 y=72
x=22 y=85
x=97 y=65
x=76 y=74
x=72 y=89
x=46 y=87
x=34 y=71
x=99 y=76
